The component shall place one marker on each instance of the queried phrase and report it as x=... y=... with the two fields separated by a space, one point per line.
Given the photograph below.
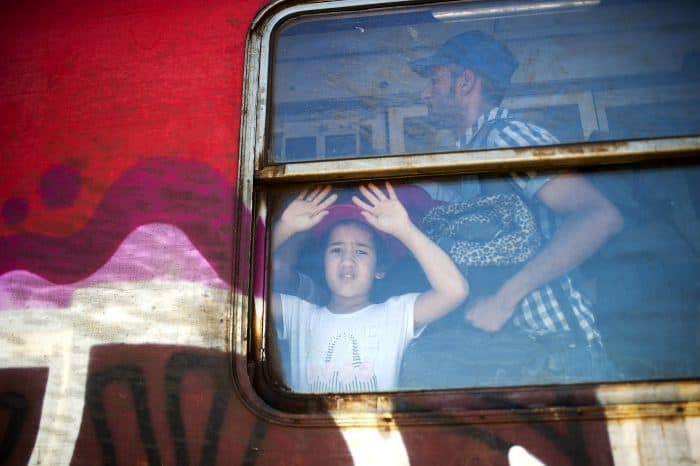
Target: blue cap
x=476 y=51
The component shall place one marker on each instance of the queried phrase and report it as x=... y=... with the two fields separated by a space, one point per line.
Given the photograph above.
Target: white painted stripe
x=375 y=447
x=519 y=456
x=150 y=312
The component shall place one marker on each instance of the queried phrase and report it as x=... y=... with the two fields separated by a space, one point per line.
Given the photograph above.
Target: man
x=469 y=75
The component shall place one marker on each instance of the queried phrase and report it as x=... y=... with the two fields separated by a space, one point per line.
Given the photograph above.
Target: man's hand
x=490 y=313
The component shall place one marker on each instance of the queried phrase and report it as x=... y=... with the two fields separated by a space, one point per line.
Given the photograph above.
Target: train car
x=533 y=161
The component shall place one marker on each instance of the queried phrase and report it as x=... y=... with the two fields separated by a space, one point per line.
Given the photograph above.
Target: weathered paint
x=119 y=133
x=488 y=161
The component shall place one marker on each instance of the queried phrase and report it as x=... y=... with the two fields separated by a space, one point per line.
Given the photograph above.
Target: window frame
x=616 y=400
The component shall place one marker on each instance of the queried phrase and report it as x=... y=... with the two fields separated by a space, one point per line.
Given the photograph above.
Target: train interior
x=589 y=72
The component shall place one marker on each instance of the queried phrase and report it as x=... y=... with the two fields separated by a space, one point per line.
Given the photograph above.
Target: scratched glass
x=353 y=85
x=626 y=312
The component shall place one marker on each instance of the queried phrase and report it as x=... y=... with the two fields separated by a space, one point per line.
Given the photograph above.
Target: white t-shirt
x=356 y=352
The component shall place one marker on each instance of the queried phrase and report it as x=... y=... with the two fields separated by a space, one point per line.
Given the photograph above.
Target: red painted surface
x=100 y=86
x=192 y=410
x=21 y=398
x=189 y=195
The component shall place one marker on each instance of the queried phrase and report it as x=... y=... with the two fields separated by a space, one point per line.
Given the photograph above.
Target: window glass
x=364 y=84
x=573 y=278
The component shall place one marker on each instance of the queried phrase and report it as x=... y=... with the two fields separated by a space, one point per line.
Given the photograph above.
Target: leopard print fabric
x=497 y=229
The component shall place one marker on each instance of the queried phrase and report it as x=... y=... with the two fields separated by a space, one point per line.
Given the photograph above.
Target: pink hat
x=416 y=201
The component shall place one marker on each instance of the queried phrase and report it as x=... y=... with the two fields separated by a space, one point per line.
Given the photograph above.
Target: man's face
x=439 y=95
x=350 y=264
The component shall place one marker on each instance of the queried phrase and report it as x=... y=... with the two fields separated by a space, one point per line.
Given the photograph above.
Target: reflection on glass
x=418 y=79
x=573 y=278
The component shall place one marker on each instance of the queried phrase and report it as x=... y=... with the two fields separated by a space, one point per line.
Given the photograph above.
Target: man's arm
x=589 y=219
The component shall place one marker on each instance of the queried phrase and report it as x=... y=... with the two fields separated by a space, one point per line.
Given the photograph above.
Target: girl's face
x=350 y=264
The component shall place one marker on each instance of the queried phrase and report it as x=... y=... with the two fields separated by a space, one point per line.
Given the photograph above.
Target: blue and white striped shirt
x=540 y=312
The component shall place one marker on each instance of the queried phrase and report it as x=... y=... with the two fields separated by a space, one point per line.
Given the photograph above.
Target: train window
x=476 y=194
x=584 y=70
x=341 y=325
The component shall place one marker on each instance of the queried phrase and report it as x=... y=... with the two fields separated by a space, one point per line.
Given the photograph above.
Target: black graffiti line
x=96 y=385
x=181 y=362
x=178 y=364
x=255 y=443
x=18 y=408
x=487 y=438
x=571 y=444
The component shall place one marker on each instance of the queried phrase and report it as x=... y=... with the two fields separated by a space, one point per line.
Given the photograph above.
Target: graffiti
x=22 y=391
x=96 y=384
x=570 y=442
x=169 y=432
x=17 y=405
x=188 y=195
x=177 y=365
x=255 y=443
x=566 y=441
x=178 y=398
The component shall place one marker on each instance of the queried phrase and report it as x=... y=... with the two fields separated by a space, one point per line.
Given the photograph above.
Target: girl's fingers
x=362 y=204
x=302 y=195
x=373 y=194
x=317 y=217
x=313 y=194
x=369 y=195
x=327 y=202
x=390 y=190
x=377 y=192
x=370 y=218
x=322 y=193
x=318 y=195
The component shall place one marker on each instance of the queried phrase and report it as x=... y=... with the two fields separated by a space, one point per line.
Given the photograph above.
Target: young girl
x=352 y=345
